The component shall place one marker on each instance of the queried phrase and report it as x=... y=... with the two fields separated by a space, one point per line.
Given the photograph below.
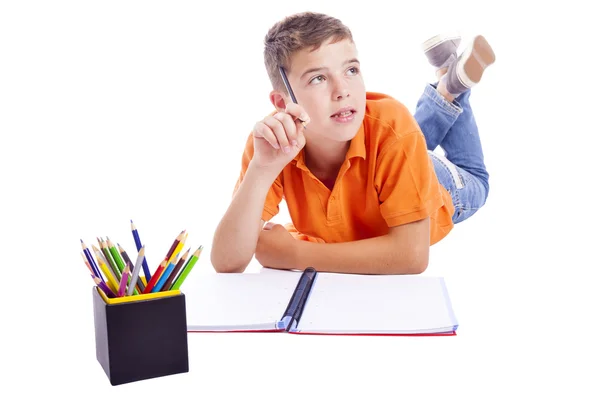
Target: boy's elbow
x=414 y=263
x=227 y=266
x=420 y=260
x=420 y=265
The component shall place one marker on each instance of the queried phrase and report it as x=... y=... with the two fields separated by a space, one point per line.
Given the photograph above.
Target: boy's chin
x=346 y=133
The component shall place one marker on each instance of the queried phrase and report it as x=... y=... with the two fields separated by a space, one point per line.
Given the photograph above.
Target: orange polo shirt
x=386 y=180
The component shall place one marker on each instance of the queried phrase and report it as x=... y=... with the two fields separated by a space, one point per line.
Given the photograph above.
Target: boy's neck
x=325 y=158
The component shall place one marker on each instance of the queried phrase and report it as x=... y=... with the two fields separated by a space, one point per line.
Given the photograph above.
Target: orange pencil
x=87 y=264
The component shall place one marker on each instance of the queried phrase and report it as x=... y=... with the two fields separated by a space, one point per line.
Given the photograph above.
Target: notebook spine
x=295 y=307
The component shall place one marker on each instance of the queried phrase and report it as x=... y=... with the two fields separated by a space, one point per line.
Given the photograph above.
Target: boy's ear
x=278 y=99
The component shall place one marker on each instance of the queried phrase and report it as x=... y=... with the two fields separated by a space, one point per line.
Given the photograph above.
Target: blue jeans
x=452 y=127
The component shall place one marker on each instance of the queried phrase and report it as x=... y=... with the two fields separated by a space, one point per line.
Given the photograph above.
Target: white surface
x=341 y=303
x=133 y=109
x=237 y=301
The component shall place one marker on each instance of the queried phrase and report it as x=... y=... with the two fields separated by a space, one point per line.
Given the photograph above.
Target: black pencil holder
x=141 y=339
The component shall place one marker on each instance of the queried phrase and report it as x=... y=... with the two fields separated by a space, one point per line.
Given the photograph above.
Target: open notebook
x=313 y=302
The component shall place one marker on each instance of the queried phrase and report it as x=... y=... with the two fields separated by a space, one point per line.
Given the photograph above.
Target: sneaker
x=440 y=50
x=467 y=70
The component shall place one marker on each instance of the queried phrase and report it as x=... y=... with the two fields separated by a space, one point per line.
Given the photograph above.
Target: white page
x=244 y=301
x=344 y=303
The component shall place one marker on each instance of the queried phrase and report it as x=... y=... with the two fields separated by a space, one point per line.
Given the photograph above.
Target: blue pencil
x=91 y=260
x=138 y=245
x=164 y=276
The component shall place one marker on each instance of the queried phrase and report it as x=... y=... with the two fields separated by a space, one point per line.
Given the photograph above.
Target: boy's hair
x=297 y=32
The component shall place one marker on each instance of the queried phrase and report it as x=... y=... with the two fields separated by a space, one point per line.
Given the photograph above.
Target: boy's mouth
x=343 y=112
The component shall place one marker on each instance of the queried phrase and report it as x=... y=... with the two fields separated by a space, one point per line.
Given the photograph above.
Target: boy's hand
x=276 y=248
x=279 y=138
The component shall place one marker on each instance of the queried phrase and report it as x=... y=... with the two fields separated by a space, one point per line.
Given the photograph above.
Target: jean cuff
x=451 y=108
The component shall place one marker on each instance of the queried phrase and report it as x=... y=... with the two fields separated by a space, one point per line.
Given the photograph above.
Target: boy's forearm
x=236 y=236
x=379 y=255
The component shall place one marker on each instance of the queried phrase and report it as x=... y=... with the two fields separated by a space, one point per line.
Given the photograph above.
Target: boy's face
x=328 y=84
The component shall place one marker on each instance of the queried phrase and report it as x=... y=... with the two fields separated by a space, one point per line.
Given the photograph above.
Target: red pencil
x=156 y=276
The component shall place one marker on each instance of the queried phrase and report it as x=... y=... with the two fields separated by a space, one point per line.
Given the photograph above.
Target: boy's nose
x=340 y=92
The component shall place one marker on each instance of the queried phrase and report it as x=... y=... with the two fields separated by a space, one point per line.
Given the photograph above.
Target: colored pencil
x=155 y=277
x=138 y=246
x=136 y=270
x=138 y=282
x=87 y=264
x=168 y=272
x=174 y=245
x=111 y=262
x=115 y=254
x=99 y=255
x=178 y=267
x=172 y=253
x=104 y=287
x=123 y=283
x=178 y=248
x=187 y=269
x=113 y=282
x=90 y=259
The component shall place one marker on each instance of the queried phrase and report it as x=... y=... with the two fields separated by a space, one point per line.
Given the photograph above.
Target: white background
x=119 y=110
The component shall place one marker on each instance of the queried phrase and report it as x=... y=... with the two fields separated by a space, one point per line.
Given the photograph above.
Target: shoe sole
x=476 y=59
x=439 y=39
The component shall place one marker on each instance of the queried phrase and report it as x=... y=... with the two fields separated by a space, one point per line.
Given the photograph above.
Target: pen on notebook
x=138 y=246
x=290 y=91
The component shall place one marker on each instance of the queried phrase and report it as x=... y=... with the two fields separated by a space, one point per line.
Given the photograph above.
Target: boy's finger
x=297 y=111
x=261 y=130
x=279 y=132
x=289 y=126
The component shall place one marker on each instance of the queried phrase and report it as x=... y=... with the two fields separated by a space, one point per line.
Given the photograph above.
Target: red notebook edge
x=453 y=333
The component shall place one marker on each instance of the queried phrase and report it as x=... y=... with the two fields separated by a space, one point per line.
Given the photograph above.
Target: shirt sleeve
x=406 y=182
x=275 y=194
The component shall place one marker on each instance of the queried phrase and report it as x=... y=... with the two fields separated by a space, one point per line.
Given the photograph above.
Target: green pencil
x=116 y=256
x=109 y=258
x=186 y=270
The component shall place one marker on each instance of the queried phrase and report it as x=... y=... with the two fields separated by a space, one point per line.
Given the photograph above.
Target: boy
x=364 y=189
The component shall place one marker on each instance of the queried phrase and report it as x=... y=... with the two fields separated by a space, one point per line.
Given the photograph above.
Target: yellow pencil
x=112 y=282
x=176 y=252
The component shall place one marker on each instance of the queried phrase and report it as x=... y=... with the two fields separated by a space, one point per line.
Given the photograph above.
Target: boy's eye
x=353 y=70
x=316 y=79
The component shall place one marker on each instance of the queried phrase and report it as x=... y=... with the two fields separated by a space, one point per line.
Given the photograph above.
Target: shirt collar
x=357 y=149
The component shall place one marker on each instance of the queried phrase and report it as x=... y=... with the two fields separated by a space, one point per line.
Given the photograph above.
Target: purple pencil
x=109 y=293
x=123 y=283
